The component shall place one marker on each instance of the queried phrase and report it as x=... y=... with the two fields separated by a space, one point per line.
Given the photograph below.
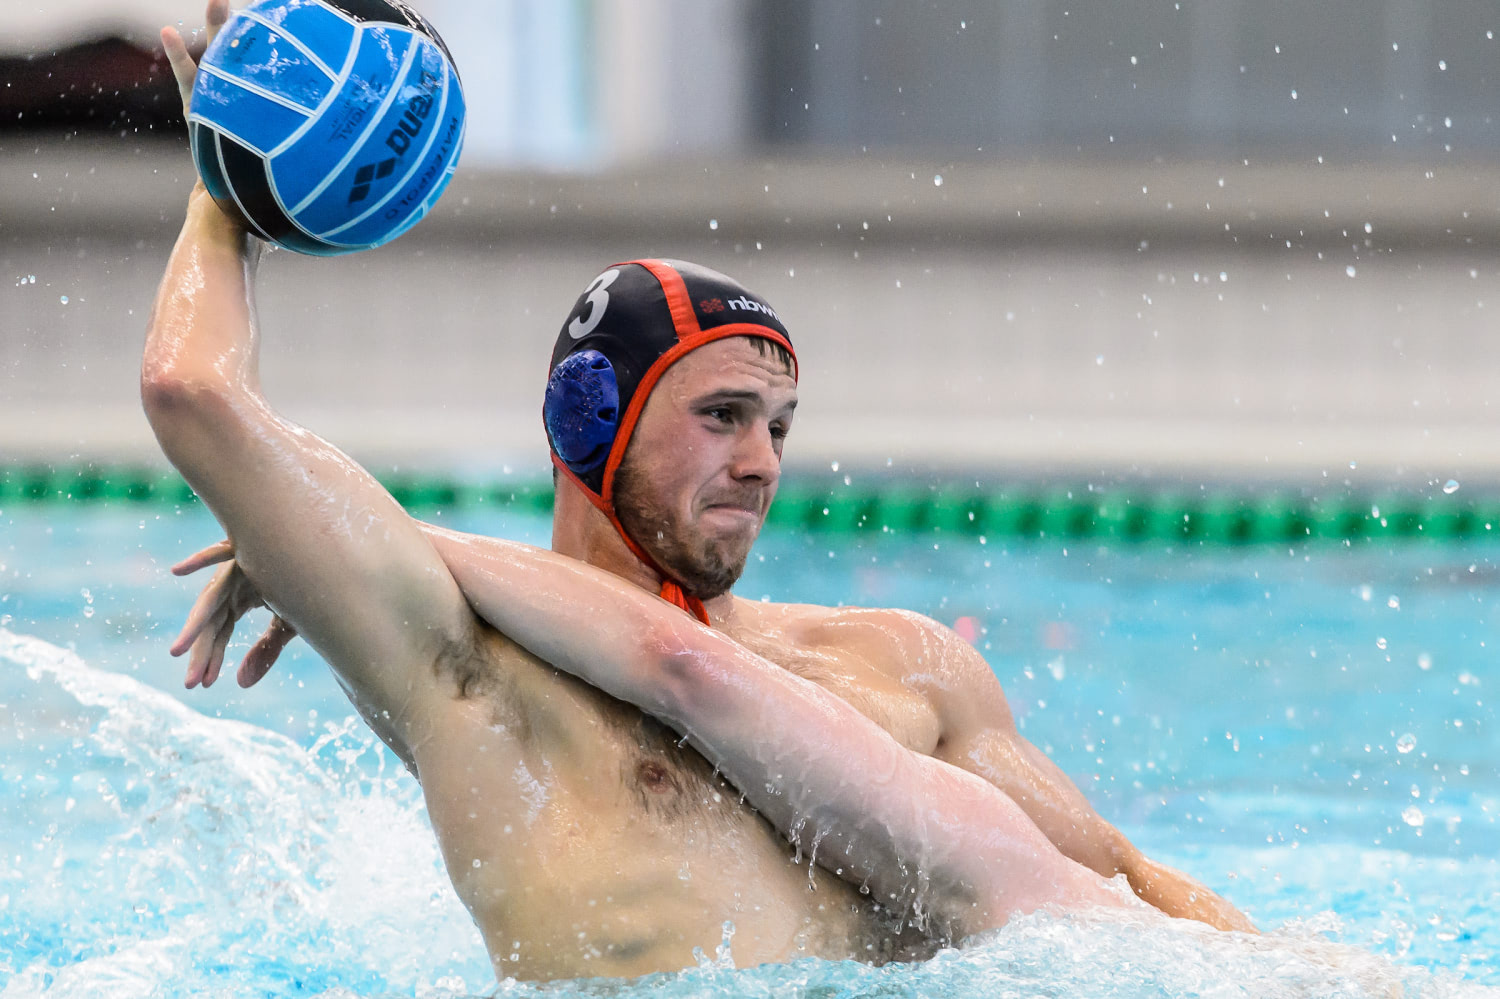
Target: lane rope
x=1127 y=513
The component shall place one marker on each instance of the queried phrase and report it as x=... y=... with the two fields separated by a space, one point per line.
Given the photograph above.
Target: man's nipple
x=654 y=776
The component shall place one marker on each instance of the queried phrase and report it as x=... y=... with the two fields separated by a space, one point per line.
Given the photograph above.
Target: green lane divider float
x=1122 y=513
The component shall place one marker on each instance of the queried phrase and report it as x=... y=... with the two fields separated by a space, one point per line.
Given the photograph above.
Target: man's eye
x=778 y=432
x=720 y=413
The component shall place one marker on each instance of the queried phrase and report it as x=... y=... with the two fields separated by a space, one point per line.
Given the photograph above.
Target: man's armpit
x=485 y=672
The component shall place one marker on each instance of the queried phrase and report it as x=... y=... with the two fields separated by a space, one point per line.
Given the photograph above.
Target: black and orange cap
x=632 y=323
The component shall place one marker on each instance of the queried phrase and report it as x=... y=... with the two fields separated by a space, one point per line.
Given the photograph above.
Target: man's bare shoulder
x=910 y=649
x=897 y=641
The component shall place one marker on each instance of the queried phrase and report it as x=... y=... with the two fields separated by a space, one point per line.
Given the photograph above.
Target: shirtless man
x=583 y=839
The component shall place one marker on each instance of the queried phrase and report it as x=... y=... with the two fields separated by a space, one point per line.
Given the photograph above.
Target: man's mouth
x=735 y=509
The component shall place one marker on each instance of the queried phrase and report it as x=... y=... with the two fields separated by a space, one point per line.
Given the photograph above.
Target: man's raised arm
x=329 y=549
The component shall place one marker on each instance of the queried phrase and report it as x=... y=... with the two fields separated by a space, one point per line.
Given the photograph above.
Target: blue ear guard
x=582 y=410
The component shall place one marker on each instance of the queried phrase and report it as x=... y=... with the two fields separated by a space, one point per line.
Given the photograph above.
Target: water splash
x=210 y=855
x=1087 y=954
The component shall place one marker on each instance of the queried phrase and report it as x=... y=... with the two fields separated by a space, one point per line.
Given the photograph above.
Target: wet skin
x=622 y=855
x=582 y=838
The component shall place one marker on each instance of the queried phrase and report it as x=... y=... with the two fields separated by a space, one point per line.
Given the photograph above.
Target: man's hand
x=183 y=66
x=228 y=597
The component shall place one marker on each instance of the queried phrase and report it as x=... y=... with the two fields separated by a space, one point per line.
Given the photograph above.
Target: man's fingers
x=183 y=67
x=208 y=605
x=216 y=654
x=219 y=551
x=264 y=653
x=202 y=650
x=218 y=13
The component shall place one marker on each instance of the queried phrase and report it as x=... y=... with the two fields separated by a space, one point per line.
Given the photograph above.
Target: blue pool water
x=1310 y=731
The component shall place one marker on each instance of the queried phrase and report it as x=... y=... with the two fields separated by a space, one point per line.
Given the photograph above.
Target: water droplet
x=63 y=299
x=1349 y=270
x=1406 y=743
x=713 y=223
x=1450 y=487
x=1099 y=359
x=1294 y=95
x=1393 y=602
x=88 y=612
x=1366 y=592
x=1413 y=817
x=937 y=180
x=1380 y=643
x=1424 y=662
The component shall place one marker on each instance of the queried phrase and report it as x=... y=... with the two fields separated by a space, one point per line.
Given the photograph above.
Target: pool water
x=1311 y=731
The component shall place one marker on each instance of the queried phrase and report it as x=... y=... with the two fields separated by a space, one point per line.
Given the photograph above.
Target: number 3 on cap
x=598 y=301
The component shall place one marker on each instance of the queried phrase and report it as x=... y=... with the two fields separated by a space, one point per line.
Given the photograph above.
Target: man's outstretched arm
x=980 y=736
x=915 y=829
x=329 y=549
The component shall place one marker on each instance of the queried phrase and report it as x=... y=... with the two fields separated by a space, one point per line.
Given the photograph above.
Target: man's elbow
x=183 y=406
x=678 y=671
x=171 y=393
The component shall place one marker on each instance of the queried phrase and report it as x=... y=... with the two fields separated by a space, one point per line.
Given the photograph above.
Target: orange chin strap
x=672 y=594
x=671 y=591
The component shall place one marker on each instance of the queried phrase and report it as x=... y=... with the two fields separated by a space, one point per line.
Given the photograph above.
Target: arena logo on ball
x=408 y=127
x=434 y=167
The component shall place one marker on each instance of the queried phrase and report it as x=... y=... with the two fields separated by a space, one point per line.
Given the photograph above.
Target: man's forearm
x=201 y=336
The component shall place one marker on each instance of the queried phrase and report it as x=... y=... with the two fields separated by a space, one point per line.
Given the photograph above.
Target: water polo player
x=581 y=836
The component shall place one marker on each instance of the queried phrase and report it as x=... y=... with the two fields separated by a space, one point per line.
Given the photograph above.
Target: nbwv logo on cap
x=631 y=324
x=751 y=305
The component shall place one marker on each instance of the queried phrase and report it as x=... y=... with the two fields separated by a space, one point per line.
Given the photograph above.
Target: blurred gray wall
x=1196 y=77
x=590 y=84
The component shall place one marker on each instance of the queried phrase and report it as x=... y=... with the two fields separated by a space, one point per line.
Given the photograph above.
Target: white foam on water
x=1121 y=955
x=225 y=857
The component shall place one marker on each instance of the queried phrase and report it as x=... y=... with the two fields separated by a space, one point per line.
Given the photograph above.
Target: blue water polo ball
x=326 y=126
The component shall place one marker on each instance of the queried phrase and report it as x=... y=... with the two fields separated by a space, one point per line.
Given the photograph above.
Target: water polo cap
x=631 y=324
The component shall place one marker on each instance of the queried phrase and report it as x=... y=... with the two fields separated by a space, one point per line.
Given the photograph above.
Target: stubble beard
x=704 y=568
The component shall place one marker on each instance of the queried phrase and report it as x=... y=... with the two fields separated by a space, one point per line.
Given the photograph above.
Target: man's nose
x=755 y=456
